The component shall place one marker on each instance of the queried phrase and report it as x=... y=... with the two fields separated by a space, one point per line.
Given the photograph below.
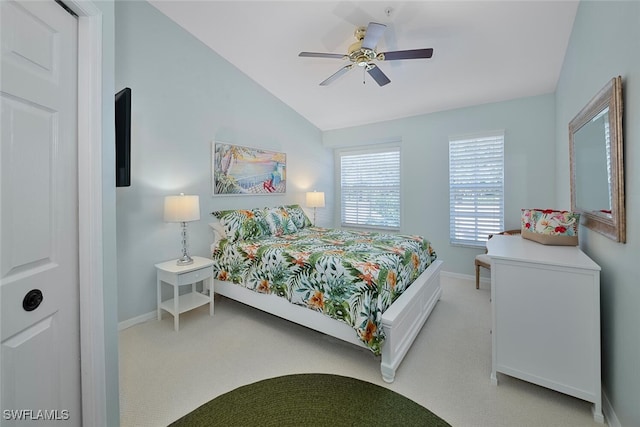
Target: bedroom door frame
x=90 y=177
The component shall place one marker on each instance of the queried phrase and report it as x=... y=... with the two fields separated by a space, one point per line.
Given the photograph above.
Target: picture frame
x=240 y=170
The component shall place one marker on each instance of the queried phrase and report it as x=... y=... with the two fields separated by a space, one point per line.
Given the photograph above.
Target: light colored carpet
x=164 y=374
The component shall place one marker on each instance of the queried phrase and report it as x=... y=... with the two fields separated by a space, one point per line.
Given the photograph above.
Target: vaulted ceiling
x=484 y=51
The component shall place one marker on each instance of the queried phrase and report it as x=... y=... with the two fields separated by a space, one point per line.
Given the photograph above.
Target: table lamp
x=315 y=200
x=182 y=209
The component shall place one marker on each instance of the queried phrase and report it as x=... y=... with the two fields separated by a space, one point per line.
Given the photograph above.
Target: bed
x=374 y=290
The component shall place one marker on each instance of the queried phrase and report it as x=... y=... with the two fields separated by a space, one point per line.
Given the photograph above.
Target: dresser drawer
x=195 y=276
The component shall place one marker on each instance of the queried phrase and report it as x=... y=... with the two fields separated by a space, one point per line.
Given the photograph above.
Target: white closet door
x=40 y=332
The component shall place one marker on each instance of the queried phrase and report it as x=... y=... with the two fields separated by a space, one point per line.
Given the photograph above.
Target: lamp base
x=185 y=260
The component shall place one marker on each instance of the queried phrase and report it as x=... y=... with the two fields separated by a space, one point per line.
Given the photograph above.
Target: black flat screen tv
x=123 y=138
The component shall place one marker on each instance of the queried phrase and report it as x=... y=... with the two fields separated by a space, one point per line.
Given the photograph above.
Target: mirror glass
x=597 y=186
x=593 y=165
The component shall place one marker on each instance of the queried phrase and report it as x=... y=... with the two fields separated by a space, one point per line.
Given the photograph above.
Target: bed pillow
x=279 y=221
x=219 y=233
x=298 y=216
x=242 y=224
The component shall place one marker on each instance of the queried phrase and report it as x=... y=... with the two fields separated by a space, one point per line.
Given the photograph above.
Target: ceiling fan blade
x=408 y=54
x=321 y=55
x=377 y=74
x=373 y=34
x=335 y=75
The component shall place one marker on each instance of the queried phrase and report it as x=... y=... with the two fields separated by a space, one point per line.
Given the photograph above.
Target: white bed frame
x=402 y=321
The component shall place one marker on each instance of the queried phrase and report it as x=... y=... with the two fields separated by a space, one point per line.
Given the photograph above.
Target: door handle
x=32 y=300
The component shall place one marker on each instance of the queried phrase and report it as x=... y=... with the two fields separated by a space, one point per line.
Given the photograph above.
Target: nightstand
x=179 y=275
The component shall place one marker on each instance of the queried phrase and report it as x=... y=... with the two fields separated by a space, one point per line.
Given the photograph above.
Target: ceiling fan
x=363 y=52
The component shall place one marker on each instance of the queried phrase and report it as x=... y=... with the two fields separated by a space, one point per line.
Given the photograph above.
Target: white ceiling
x=484 y=51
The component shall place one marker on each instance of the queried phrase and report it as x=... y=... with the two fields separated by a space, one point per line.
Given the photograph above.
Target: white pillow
x=218 y=231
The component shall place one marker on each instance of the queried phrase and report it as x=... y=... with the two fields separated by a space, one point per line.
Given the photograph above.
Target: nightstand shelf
x=176 y=275
x=185 y=302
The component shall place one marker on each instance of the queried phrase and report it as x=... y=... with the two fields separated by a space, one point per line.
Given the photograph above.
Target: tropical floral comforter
x=348 y=275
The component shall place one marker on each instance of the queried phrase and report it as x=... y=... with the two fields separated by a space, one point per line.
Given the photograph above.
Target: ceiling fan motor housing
x=361 y=57
x=357 y=54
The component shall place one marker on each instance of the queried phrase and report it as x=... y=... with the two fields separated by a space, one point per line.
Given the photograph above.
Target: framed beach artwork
x=241 y=170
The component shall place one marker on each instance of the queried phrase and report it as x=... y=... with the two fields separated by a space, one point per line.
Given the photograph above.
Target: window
x=370 y=188
x=476 y=188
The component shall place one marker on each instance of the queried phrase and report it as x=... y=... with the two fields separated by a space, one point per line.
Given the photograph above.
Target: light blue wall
x=605 y=43
x=529 y=125
x=184 y=96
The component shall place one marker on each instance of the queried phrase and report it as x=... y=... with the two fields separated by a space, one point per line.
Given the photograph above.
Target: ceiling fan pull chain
x=363 y=75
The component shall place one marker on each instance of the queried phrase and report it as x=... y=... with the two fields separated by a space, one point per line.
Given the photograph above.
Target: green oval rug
x=311 y=400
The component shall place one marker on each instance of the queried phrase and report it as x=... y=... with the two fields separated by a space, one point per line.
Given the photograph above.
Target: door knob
x=32 y=300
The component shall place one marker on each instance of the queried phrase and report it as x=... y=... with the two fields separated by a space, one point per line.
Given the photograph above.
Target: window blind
x=476 y=188
x=370 y=188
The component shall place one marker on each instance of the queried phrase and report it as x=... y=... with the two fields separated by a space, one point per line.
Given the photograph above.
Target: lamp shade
x=181 y=208
x=315 y=199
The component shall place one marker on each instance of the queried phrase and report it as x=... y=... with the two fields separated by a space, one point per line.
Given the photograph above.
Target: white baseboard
x=483 y=280
x=609 y=414
x=456 y=275
x=138 y=319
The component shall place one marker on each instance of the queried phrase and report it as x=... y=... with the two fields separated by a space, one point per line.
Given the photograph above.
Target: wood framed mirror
x=596 y=161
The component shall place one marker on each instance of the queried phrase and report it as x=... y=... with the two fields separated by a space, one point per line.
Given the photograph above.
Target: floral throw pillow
x=550 y=226
x=242 y=224
x=298 y=216
x=279 y=221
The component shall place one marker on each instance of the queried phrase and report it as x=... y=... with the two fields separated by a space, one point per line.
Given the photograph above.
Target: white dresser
x=545 y=304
